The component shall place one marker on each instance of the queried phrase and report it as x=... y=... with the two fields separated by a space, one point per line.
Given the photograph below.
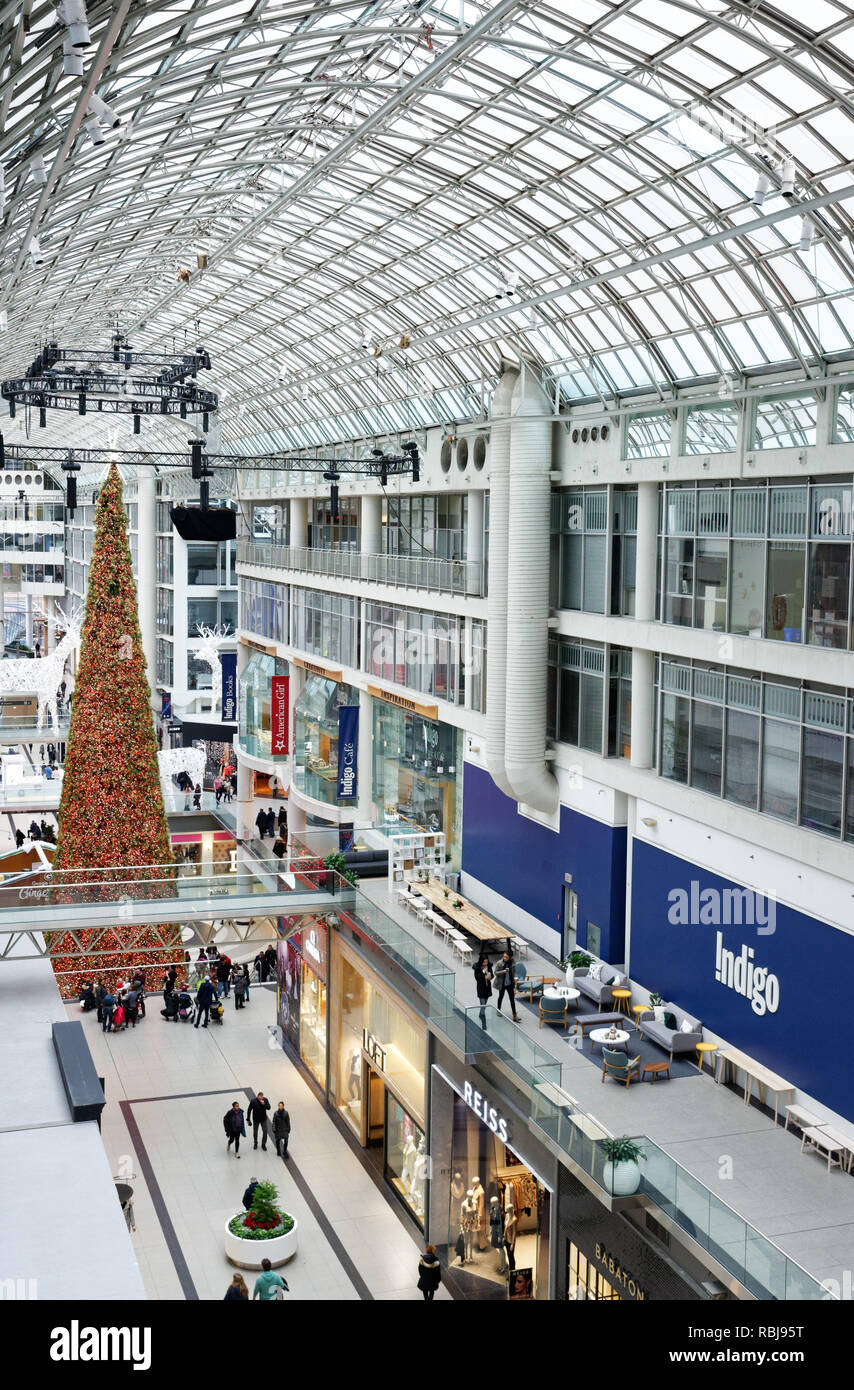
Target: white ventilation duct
x=496 y=609
x=527 y=601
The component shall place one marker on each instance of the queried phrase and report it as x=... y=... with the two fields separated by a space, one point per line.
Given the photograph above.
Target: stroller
x=217 y=1011
x=186 y=1009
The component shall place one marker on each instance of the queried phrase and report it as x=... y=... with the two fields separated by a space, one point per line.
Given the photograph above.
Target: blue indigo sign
x=228 y=660
x=348 y=746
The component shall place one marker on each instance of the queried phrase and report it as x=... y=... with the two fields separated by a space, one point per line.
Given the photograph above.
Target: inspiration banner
x=348 y=744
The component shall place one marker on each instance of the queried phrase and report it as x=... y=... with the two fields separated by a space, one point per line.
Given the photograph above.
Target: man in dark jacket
x=270 y=958
x=204 y=999
x=249 y=1193
x=505 y=978
x=281 y=1129
x=271 y=823
x=223 y=975
x=108 y=1004
x=261 y=822
x=232 y=1123
x=257 y=1113
x=429 y=1273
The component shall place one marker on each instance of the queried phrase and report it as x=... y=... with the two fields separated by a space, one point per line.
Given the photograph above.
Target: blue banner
x=348 y=752
x=228 y=661
x=166 y=704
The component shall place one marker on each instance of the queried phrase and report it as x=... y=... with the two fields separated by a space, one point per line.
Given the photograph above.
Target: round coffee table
x=702 y=1049
x=603 y=1037
x=562 y=992
x=654 y=1069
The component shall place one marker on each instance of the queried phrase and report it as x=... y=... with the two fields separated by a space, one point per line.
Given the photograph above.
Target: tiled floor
x=172 y=1084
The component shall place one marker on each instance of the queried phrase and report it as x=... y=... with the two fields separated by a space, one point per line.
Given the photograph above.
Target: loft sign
x=373 y=1049
x=491 y=1117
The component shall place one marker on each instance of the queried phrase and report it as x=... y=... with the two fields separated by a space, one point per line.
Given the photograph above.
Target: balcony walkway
x=790 y=1198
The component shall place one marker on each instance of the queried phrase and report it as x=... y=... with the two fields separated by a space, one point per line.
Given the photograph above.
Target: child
x=197 y=797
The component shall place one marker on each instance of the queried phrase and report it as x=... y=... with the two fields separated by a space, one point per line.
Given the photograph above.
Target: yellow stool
x=638 y=1009
x=621 y=1001
x=702 y=1049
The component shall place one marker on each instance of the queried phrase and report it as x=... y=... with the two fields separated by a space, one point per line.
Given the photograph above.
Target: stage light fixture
x=763 y=184
x=101 y=111
x=807 y=233
x=38 y=172
x=72 y=14
x=72 y=60
x=787 y=177
x=35 y=252
x=93 y=129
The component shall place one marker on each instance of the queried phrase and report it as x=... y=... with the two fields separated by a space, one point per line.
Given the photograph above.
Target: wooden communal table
x=753 y=1071
x=468 y=917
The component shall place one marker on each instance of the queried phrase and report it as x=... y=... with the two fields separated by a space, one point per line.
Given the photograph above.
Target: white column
x=2 y=611
x=643 y=660
x=29 y=631
x=146 y=572
x=299 y=522
x=372 y=526
x=474 y=543
x=244 y=771
x=643 y=670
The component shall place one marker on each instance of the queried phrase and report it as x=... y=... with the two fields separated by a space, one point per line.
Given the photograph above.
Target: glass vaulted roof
x=393 y=197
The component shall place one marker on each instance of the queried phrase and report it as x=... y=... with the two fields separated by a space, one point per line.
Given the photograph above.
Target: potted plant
x=264 y=1232
x=458 y=902
x=447 y=892
x=575 y=961
x=621 y=1175
x=338 y=864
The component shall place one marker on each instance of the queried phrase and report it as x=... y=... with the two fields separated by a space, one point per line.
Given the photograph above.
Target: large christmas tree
x=111 y=811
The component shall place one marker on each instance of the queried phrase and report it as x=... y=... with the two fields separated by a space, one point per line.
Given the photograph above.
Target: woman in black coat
x=483 y=983
x=429 y=1273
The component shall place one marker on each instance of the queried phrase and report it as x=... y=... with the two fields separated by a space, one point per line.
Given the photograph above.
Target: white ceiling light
x=94 y=131
x=72 y=58
x=807 y=233
x=763 y=183
x=104 y=113
x=72 y=13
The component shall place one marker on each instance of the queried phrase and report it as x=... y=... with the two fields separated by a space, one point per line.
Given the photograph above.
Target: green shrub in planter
x=579 y=960
x=264 y=1220
x=622 y=1150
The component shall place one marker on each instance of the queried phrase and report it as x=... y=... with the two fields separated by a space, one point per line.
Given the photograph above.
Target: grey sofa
x=671 y=1039
x=597 y=990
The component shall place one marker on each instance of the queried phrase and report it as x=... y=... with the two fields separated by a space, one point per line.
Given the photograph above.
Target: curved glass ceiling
x=393 y=197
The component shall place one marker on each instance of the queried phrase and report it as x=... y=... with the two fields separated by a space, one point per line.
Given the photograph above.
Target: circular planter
x=248 y=1254
x=621 y=1179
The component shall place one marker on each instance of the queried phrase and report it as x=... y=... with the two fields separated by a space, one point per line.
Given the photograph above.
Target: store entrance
x=498 y=1213
x=570 y=921
x=376 y=1109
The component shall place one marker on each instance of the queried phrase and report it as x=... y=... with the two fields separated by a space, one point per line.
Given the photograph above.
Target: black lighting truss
x=52 y=381
x=202 y=465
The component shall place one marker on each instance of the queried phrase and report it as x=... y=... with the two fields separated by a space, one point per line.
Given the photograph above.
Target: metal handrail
x=403 y=571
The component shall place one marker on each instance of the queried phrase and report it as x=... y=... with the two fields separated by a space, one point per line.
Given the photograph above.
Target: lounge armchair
x=553 y=1011
x=620 y=1066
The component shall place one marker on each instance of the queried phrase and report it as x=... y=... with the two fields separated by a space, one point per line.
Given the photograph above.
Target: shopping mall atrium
x=427 y=686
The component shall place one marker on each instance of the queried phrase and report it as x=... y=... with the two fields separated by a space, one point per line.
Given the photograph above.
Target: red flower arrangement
x=111 y=811
x=253 y=1224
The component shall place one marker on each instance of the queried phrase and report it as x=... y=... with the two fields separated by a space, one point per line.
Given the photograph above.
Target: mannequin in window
x=354 y=1081
x=458 y=1187
x=468 y=1223
x=419 y=1173
x=510 y=1229
x=480 y=1200
x=409 y=1153
x=496 y=1232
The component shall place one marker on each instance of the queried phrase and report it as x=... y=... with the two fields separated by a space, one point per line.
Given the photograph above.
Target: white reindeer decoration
x=208 y=652
x=41 y=675
x=175 y=760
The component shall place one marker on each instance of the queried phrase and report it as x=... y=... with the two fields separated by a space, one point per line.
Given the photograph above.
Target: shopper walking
x=237 y=1291
x=188 y=795
x=268 y=1282
x=257 y=1113
x=234 y=1127
x=204 y=999
x=429 y=1273
x=483 y=984
x=239 y=982
x=279 y=847
x=197 y=797
x=217 y=786
x=246 y=982
x=261 y=823
x=281 y=1129
x=223 y=975
x=505 y=978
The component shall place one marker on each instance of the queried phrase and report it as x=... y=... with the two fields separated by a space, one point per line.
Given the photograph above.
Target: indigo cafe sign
x=348 y=745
